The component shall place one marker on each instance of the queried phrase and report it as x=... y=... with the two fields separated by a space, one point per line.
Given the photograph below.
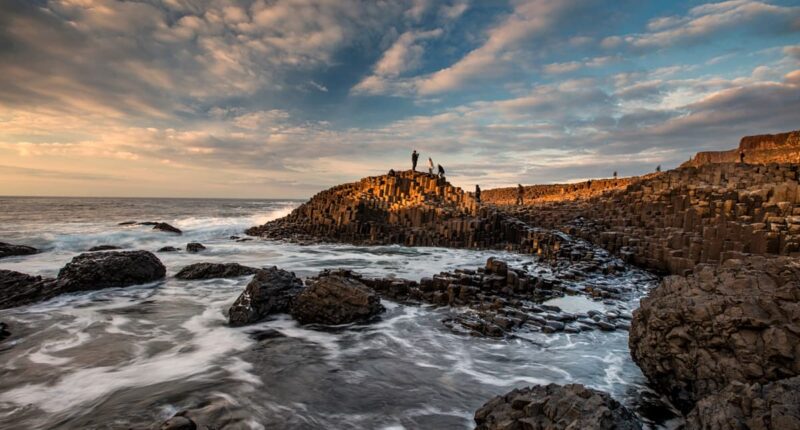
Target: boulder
x=168 y=249
x=194 y=247
x=4 y=333
x=103 y=248
x=334 y=299
x=270 y=291
x=110 y=269
x=738 y=322
x=214 y=413
x=555 y=407
x=19 y=289
x=214 y=270
x=162 y=226
x=773 y=406
x=8 y=250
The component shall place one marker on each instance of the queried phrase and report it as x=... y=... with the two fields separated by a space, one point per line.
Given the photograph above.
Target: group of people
x=415 y=159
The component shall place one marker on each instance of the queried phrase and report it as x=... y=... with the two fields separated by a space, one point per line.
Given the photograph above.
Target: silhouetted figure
x=520 y=193
x=615 y=174
x=414 y=158
x=478 y=193
x=589 y=183
x=430 y=166
x=441 y=170
x=741 y=157
x=391 y=172
x=658 y=168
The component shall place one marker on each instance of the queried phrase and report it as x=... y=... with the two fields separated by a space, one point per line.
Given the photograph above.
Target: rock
x=103 y=248
x=9 y=250
x=110 y=269
x=4 y=333
x=162 y=226
x=168 y=249
x=555 y=407
x=19 y=289
x=774 y=406
x=695 y=335
x=270 y=291
x=214 y=270
x=127 y=223
x=178 y=423
x=334 y=300
x=194 y=247
x=215 y=413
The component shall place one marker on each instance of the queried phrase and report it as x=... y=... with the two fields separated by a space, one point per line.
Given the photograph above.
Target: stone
x=98 y=270
x=9 y=250
x=271 y=291
x=334 y=300
x=4 y=333
x=772 y=406
x=738 y=322
x=103 y=248
x=555 y=407
x=168 y=249
x=214 y=413
x=214 y=270
x=194 y=247
x=19 y=289
x=162 y=226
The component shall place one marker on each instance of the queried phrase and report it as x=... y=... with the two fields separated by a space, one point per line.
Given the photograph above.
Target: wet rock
x=333 y=299
x=271 y=291
x=555 y=407
x=169 y=249
x=194 y=247
x=216 y=413
x=110 y=269
x=162 y=226
x=19 y=289
x=127 y=223
x=695 y=335
x=773 y=406
x=9 y=250
x=214 y=270
x=4 y=333
x=103 y=248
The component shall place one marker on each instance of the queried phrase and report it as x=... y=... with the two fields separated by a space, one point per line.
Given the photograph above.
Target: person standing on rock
x=430 y=166
x=441 y=170
x=414 y=159
x=478 y=193
x=520 y=192
x=741 y=157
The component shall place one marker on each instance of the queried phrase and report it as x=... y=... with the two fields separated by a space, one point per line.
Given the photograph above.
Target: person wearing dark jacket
x=441 y=170
x=477 y=193
x=414 y=158
x=520 y=193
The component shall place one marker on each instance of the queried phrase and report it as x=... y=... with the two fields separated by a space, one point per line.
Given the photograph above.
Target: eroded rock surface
x=555 y=407
x=738 y=322
x=9 y=250
x=214 y=270
x=194 y=247
x=110 y=269
x=4 y=333
x=271 y=291
x=772 y=406
x=333 y=299
x=19 y=289
x=215 y=413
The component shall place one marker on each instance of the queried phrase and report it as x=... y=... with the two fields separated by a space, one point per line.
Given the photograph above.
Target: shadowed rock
x=4 y=333
x=695 y=335
x=19 y=289
x=162 y=226
x=335 y=300
x=214 y=270
x=555 y=407
x=773 y=406
x=103 y=248
x=270 y=291
x=216 y=413
x=9 y=250
x=110 y=269
x=169 y=249
x=194 y=247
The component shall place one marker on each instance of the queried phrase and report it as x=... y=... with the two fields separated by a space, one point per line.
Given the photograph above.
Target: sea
x=133 y=357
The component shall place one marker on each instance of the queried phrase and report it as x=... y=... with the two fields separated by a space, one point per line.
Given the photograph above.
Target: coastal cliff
x=764 y=148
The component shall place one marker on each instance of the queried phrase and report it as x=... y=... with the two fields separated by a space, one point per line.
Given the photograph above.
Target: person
x=741 y=157
x=414 y=158
x=615 y=174
x=658 y=168
x=441 y=170
x=478 y=193
x=520 y=192
x=430 y=166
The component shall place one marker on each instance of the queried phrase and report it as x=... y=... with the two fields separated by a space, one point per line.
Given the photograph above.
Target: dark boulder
x=8 y=250
x=334 y=299
x=4 y=333
x=194 y=247
x=270 y=291
x=19 y=289
x=127 y=223
x=738 y=322
x=555 y=407
x=162 y=226
x=773 y=406
x=215 y=413
x=214 y=270
x=110 y=269
x=168 y=249
x=103 y=248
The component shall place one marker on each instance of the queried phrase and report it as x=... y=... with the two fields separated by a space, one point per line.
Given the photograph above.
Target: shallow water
x=134 y=356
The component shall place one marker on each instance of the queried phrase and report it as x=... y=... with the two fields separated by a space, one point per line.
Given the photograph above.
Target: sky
x=284 y=98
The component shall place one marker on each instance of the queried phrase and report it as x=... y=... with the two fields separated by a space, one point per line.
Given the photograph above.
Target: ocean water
x=132 y=357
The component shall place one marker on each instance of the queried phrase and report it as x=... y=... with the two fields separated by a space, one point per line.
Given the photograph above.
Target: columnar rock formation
x=534 y=194
x=762 y=149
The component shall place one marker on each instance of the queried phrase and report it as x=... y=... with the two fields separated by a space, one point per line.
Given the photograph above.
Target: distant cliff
x=760 y=149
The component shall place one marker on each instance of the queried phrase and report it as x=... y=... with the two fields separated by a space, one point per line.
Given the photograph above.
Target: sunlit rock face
x=760 y=149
